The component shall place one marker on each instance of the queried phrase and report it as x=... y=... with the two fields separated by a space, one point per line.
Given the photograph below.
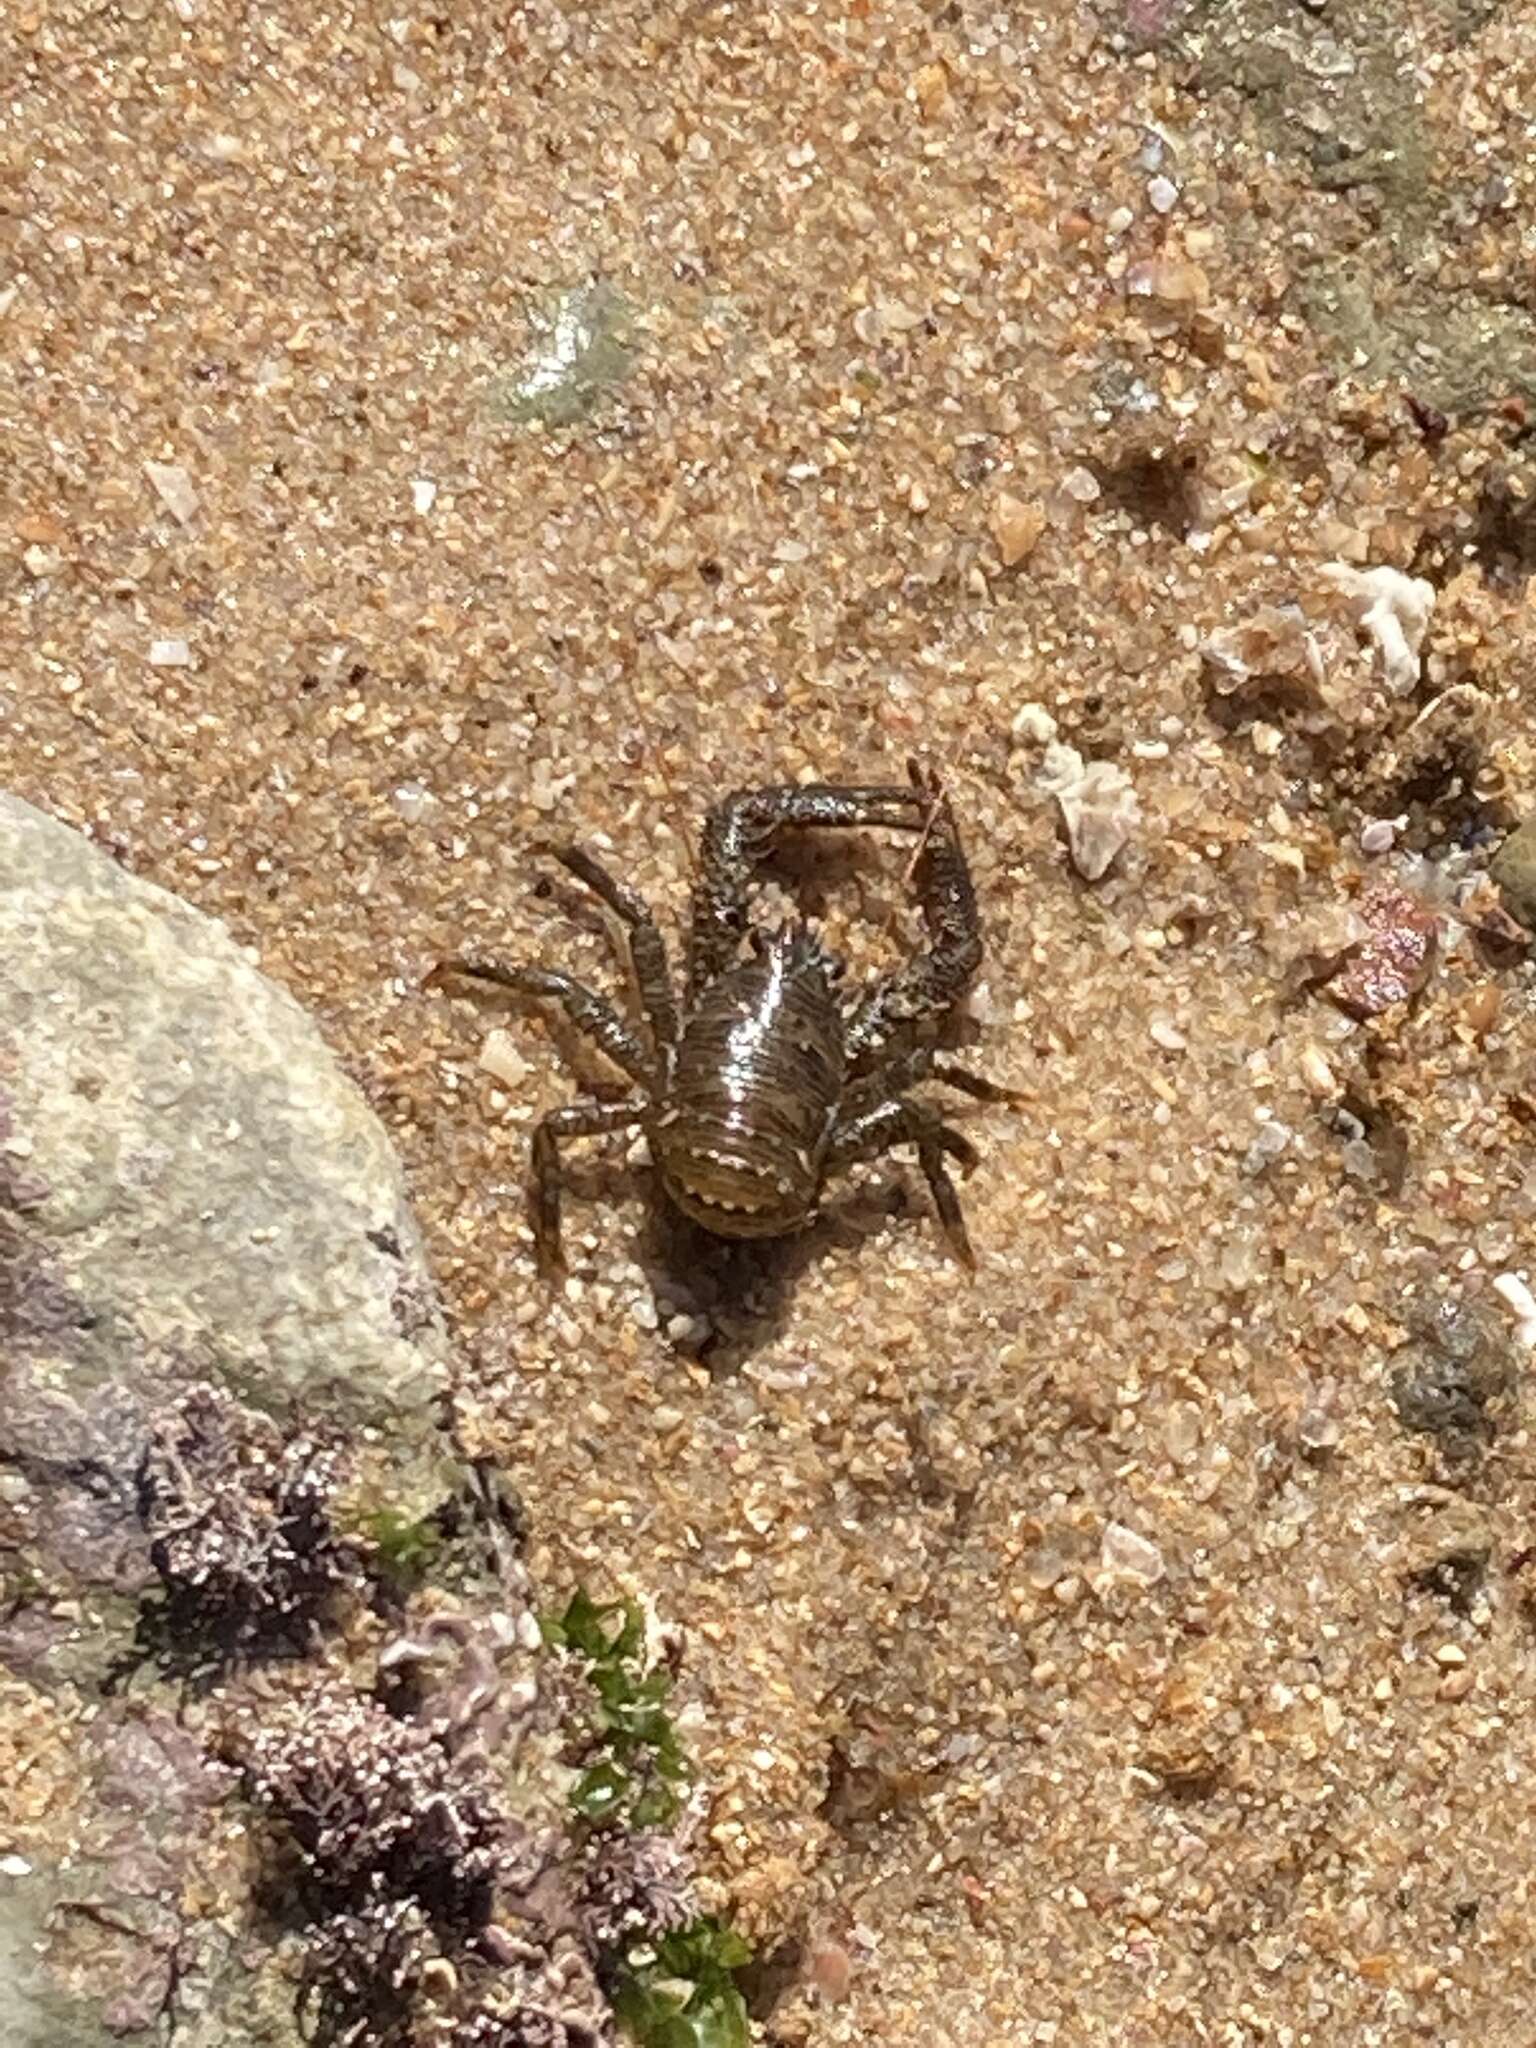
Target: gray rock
x=95 y=1947
x=1449 y=1380
x=1514 y=869
x=35 y=2012
x=190 y=1189
x=195 y=1162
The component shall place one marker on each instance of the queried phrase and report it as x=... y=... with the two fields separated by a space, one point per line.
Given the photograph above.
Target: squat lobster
x=763 y=1084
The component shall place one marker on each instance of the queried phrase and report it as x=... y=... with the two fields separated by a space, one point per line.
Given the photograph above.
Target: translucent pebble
x=412 y=801
x=1317 y=1427
x=1237 y=1263
x=1269 y=1141
x=500 y=1057
x=1129 y=1556
x=173 y=487
x=1181 y=1431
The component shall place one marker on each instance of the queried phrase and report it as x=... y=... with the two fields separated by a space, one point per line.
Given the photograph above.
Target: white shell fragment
x=500 y=1057
x=1394 y=610
x=174 y=488
x=1125 y=1555
x=1516 y=1296
x=1098 y=806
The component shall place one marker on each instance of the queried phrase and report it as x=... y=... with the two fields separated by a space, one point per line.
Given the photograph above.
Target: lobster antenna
x=888 y=929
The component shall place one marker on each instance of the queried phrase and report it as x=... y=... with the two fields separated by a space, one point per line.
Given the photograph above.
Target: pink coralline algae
x=1392 y=961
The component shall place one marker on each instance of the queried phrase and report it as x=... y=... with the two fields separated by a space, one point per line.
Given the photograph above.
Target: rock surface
x=95 y=1947
x=1514 y=869
x=198 y=1174
x=189 y=1188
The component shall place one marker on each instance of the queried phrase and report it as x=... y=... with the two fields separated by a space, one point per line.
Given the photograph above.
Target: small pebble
x=1237 y=1264
x=1099 y=807
x=173 y=487
x=1378 y=836
x=1512 y=1290
x=169 y=654
x=930 y=88
x=831 y=1971
x=1125 y=1555
x=423 y=495
x=1317 y=1074
x=1167 y=279
x=898 y=318
x=1516 y=1296
x=412 y=801
x=1317 y=1427
x=500 y=1057
x=1481 y=1006
x=1016 y=527
x=1181 y=1431
x=1269 y=1141
x=1162 y=195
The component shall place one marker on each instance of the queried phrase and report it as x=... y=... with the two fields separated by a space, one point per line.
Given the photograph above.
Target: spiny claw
x=454 y=970
x=960 y=1245
x=550 y=1262
x=925 y=780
